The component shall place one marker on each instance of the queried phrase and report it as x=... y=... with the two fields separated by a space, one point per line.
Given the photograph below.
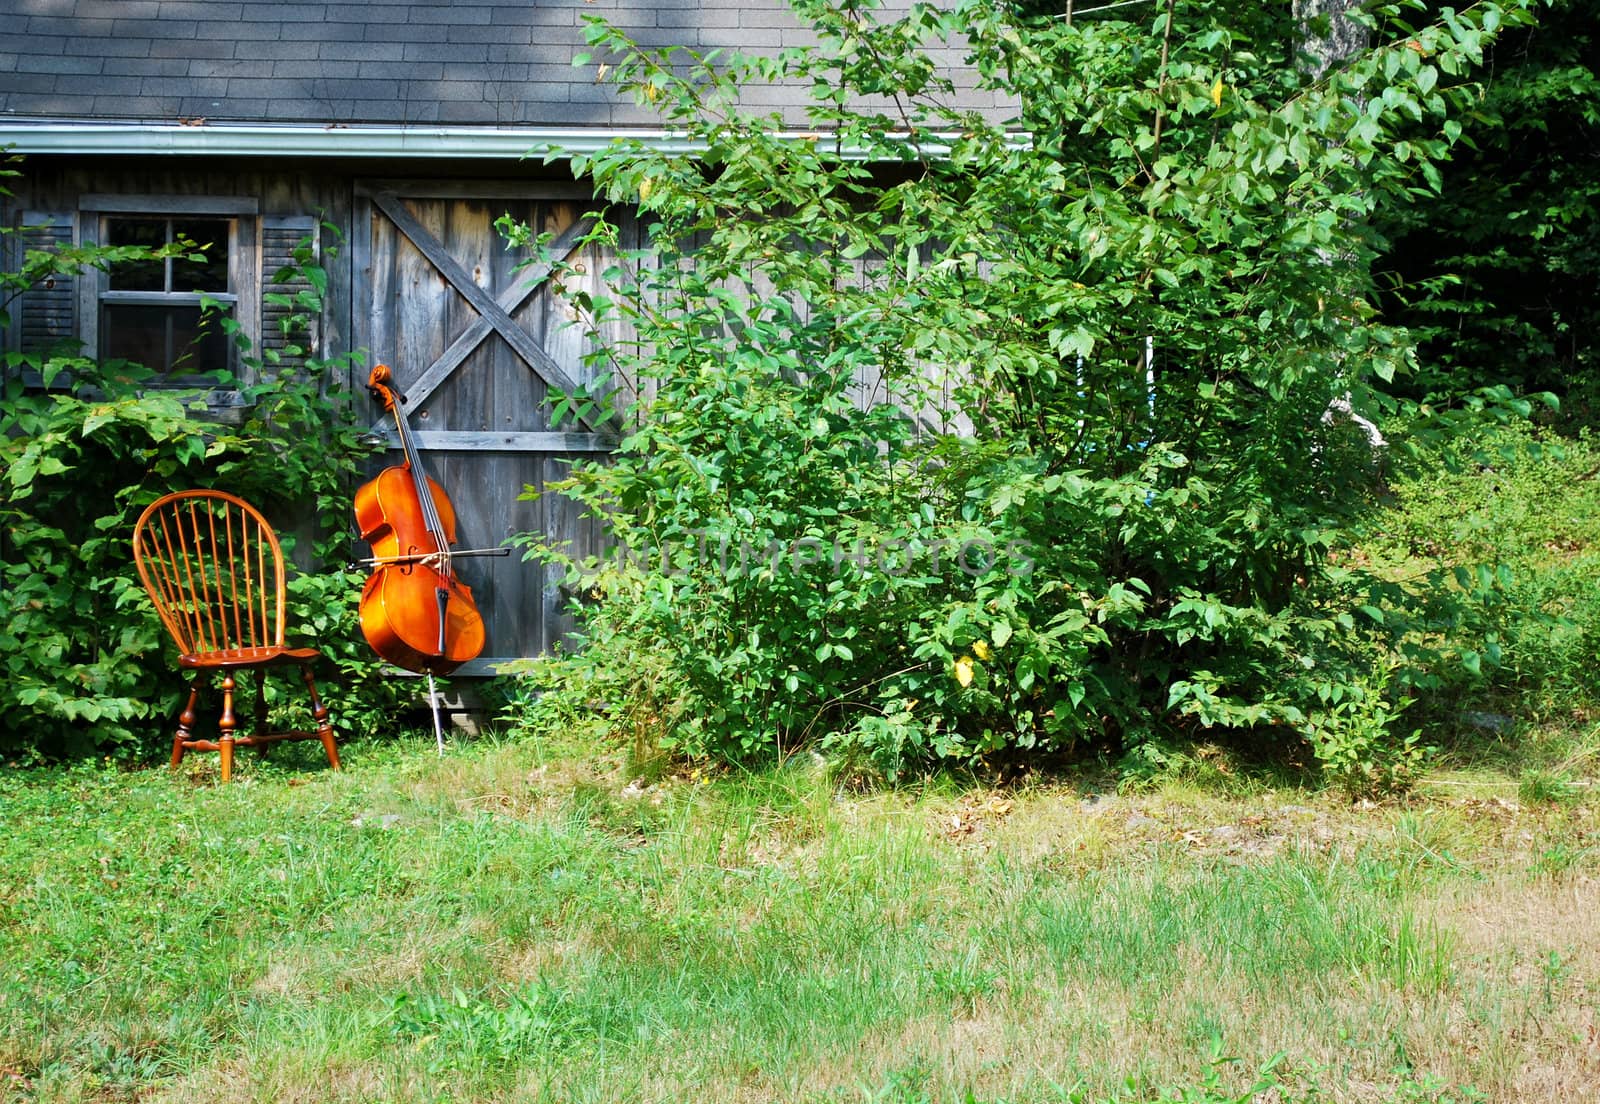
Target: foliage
x=85 y=446
x=1109 y=355
x=1356 y=744
x=1513 y=516
x=1496 y=272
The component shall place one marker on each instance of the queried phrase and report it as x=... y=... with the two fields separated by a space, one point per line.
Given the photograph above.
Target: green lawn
x=507 y=924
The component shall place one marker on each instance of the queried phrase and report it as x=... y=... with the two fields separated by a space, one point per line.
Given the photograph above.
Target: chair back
x=214 y=570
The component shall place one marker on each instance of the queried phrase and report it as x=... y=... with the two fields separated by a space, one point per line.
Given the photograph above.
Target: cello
x=414 y=611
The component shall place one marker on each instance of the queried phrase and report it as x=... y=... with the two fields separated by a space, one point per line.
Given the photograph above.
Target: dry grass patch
x=1525 y=1003
x=306 y=1078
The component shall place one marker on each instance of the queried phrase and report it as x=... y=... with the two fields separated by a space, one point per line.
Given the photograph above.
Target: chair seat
x=247 y=658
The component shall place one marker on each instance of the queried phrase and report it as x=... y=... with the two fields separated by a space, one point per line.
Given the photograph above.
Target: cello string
x=435 y=525
x=430 y=511
x=419 y=476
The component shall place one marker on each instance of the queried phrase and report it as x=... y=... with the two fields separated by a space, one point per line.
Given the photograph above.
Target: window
x=151 y=311
x=155 y=312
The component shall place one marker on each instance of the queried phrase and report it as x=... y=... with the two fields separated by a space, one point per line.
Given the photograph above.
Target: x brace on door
x=494 y=315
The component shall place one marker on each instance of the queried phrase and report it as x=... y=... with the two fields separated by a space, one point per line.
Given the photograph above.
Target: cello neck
x=382 y=384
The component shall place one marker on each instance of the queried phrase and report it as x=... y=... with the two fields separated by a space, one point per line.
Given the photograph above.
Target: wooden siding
x=420 y=279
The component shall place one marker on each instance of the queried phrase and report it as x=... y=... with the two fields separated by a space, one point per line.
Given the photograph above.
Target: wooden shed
x=406 y=129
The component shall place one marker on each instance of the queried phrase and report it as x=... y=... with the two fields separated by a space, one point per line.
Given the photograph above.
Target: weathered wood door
x=479 y=345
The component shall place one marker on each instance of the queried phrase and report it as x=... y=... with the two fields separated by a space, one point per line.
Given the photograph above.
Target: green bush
x=1515 y=517
x=87 y=665
x=1108 y=355
x=1496 y=275
x=1357 y=745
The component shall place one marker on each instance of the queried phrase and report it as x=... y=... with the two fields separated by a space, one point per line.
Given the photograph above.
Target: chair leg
x=228 y=723
x=319 y=713
x=185 y=722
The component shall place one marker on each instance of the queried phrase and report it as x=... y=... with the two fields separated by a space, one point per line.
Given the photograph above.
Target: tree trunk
x=1329 y=35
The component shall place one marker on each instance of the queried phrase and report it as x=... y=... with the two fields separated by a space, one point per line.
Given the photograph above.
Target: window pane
x=138 y=275
x=211 y=240
x=135 y=333
x=198 y=344
x=172 y=339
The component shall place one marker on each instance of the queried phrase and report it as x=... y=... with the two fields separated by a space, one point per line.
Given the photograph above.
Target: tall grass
x=1292 y=922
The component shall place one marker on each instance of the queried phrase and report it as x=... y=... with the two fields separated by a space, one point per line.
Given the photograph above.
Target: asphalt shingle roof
x=478 y=63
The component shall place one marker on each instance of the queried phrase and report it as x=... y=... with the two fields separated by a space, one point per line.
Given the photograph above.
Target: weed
x=966 y=981
x=1560 y=858
x=1354 y=743
x=529 y=1025
x=1553 y=973
x=1538 y=787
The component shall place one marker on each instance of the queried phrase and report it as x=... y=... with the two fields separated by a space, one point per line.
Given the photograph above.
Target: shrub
x=1513 y=516
x=84 y=449
x=1356 y=744
x=1107 y=354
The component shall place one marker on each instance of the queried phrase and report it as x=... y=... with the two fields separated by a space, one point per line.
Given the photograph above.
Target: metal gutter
x=67 y=136
x=336 y=140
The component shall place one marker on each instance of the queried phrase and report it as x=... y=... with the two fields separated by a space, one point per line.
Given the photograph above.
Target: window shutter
x=280 y=235
x=47 y=313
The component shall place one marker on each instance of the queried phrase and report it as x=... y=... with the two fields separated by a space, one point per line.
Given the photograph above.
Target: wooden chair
x=214 y=570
